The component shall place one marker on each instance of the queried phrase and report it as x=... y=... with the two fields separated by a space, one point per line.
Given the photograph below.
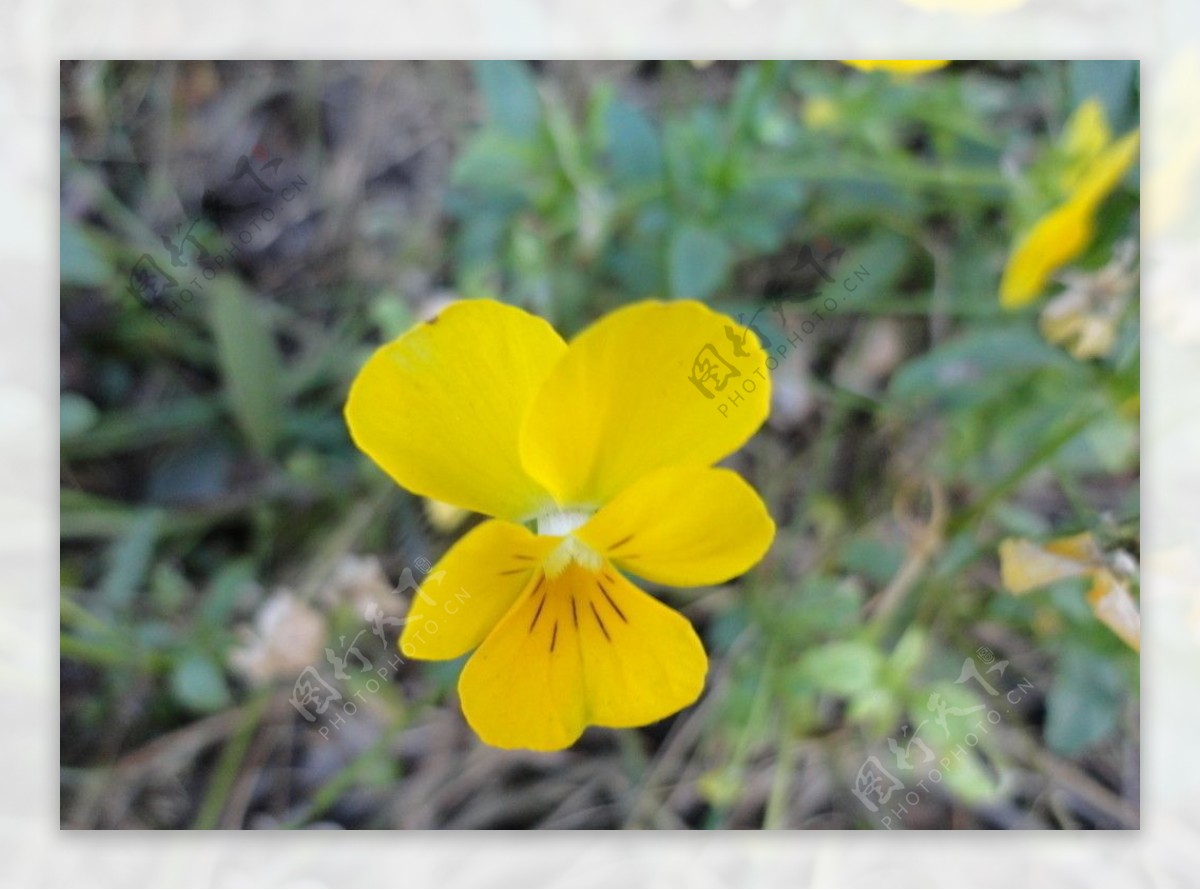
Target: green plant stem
x=230 y=763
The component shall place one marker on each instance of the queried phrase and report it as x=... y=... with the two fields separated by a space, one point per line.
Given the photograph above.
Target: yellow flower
x=1026 y=565
x=905 y=67
x=1096 y=165
x=605 y=447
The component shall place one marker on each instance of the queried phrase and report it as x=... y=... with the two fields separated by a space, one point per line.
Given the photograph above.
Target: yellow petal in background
x=471 y=588
x=581 y=649
x=1085 y=136
x=440 y=408
x=1026 y=565
x=683 y=526
x=1114 y=605
x=1104 y=174
x=1057 y=238
x=648 y=386
x=898 y=66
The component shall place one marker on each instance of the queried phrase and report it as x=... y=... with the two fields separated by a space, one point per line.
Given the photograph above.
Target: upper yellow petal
x=471 y=588
x=683 y=526
x=577 y=650
x=647 y=386
x=440 y=408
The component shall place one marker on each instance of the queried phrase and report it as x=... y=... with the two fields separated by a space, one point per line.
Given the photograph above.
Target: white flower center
x=561 y=522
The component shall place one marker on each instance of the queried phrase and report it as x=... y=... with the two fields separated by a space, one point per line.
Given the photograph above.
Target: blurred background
x=944 y=634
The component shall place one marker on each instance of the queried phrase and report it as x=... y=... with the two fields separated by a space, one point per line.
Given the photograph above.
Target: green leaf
x=197 y=682
x=76 y=415
x=249 y=362
x=1112 y=81
x=843 y=668
x=500 y=166
x=227 y=591
x=697 y=262
x=128 y=560
x=975 y=364
x=84 y=515
x=957 y=739
x=510 y=96
x=81 y=257
x=632 y=145
x=1084 y=701
x=823 y=607
x=875 y=560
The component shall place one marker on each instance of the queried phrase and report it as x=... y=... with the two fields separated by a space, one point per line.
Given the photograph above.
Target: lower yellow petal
x=1057 y=238
x=471 y=588
x=580 y=649
x=683 y=526
x=642 y=660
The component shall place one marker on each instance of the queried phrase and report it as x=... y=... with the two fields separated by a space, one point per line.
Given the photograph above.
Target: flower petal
x=643 y=660
x=1114 y=605
x=1084 y=137
x=1106 y=172
x=440 y=408
x=1027 y=565
x=897 y=66
x=580 y=649
x=471 y=588
x=647 y=386
x=1057 y=238
x=683 y=526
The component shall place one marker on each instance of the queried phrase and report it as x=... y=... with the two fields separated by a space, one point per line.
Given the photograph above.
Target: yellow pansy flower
x=594 y=458
x=1027 y=565
x=905 y=67
x=1096 y=165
